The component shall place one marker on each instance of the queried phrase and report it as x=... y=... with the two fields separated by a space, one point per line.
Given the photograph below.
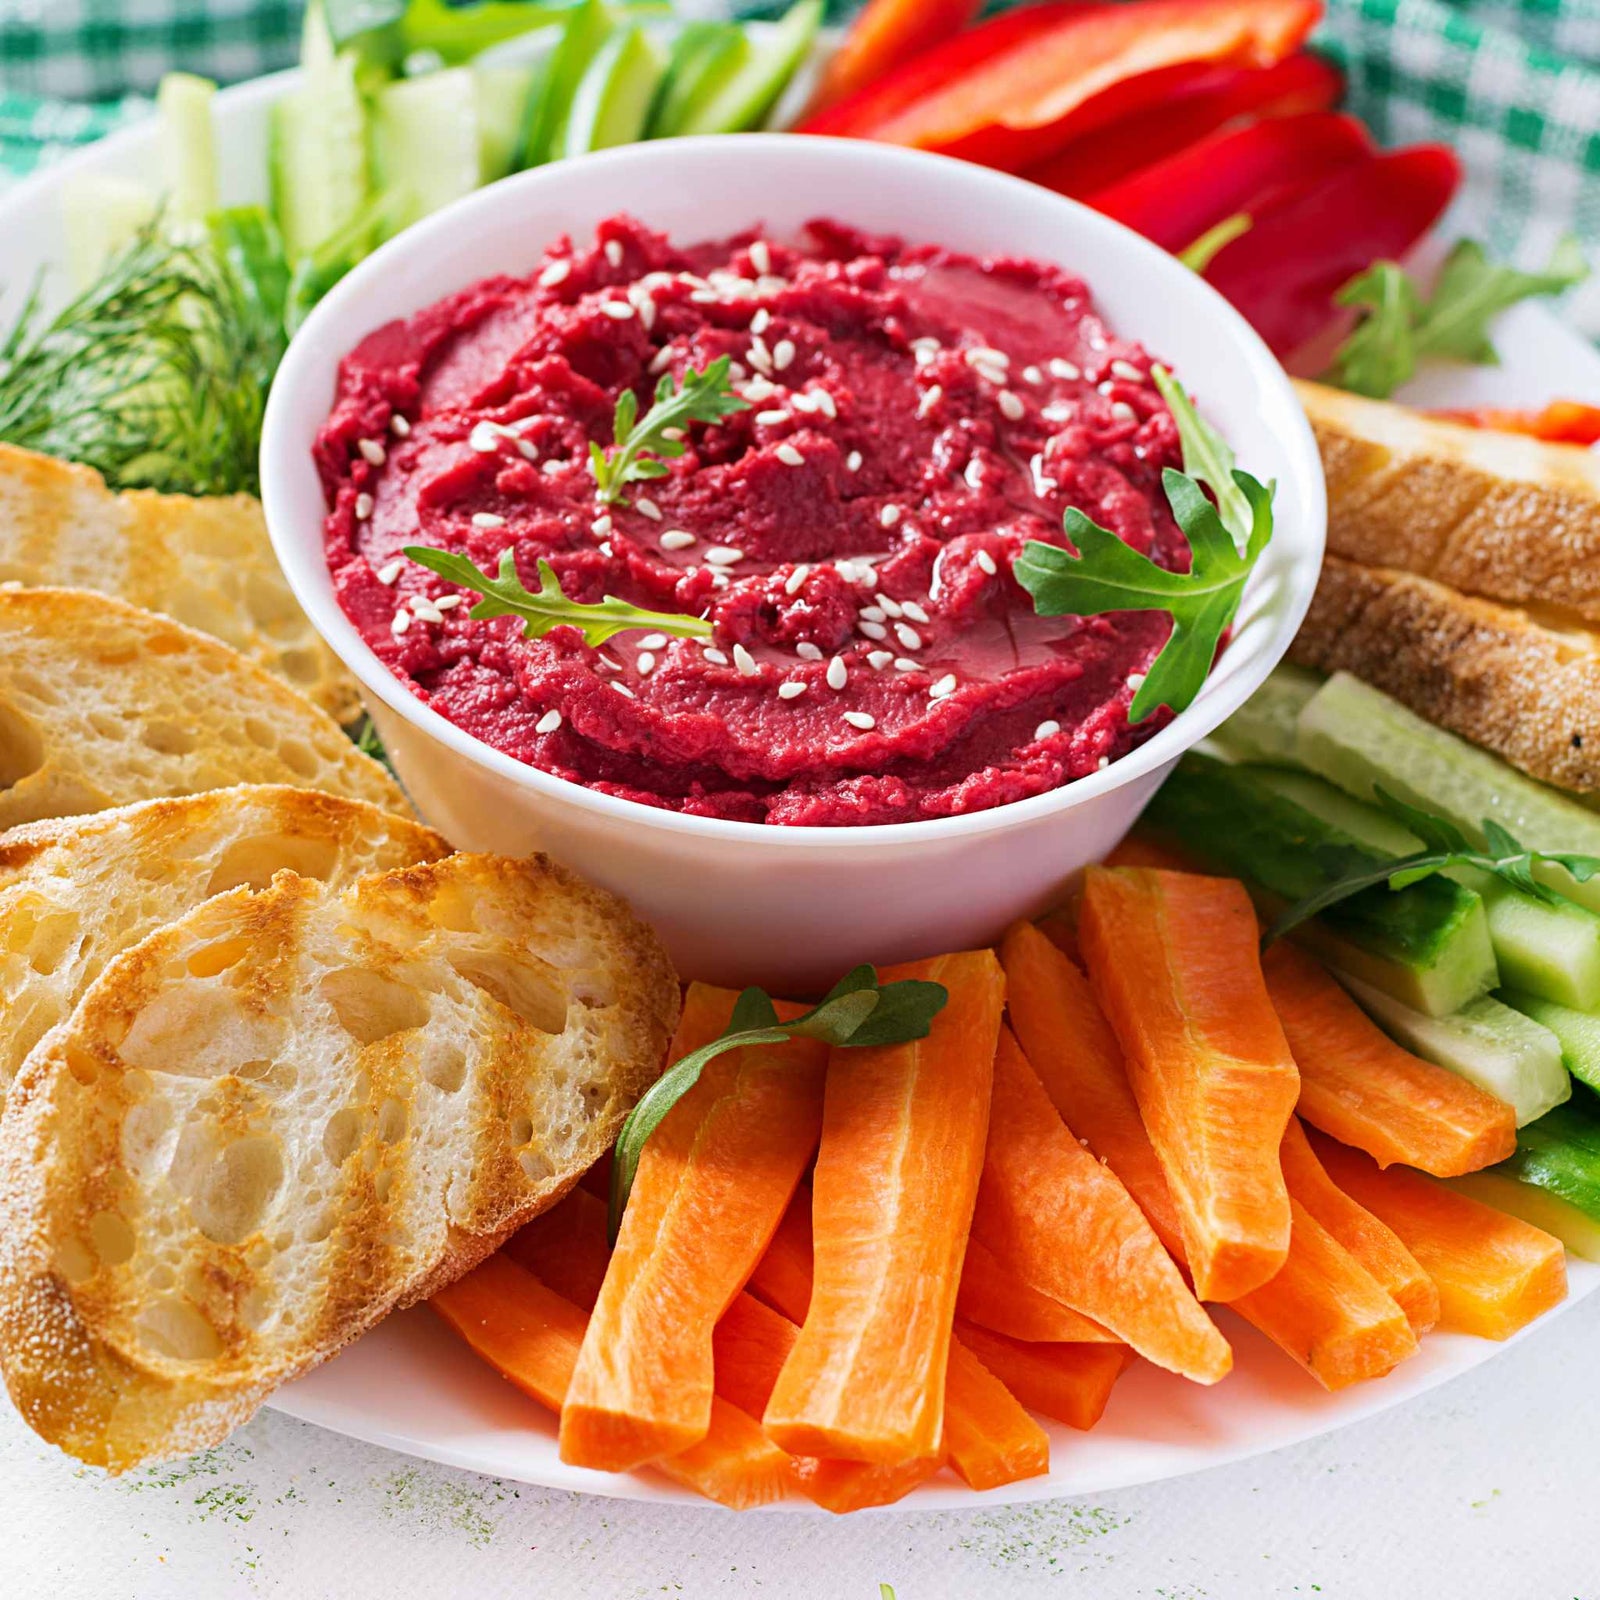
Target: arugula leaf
x=1207 y=456
x=505 y=596
x=856 y=1011
x=1444 y=846
x=1401 y=326
x=1199 y=255
x=702 y=397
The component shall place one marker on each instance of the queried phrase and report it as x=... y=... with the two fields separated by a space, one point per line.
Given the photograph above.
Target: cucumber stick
x=1427 y=945
x=1578 y=1031
x=585 y=31
x=502 y=94
x=188 y=145
x=1550 y=950
x=427 y=140
x=100 y=216
x=704 y=58
x=1264 y=727
x=1357 y=737
x=1575 y=1227
x=1504 y=1052
x=746 y=98
x=612 y=104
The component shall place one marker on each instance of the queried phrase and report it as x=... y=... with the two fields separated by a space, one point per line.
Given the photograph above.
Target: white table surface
x=1486 y=1489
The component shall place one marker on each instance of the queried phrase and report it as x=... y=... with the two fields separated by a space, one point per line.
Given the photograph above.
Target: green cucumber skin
x=1560 y=1153
x=705 y=56
x=1577 y=1031
x=747 y=98
x=1356 y=737
x=614 y=99
x=1428 y=945
x=1264 y=728
x=582 y=37
x=1574 y=1227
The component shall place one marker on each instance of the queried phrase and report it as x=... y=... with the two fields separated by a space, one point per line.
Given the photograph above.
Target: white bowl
x=792 y=908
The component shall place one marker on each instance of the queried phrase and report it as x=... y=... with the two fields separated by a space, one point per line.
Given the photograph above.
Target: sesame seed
x=759 y=389
x=614 y=252
x=660 y=361
x=1042 y=482
x=986 y=563
x=487 y=519
x=758 y=355
x=761 y=321
x=807 y=651
x=618 y=310
x=924 y=355
x=862 y=720
x=644 y=304
x=646 y=663
x=553 y=469
x=526 y=450
x=556 y=272
x=838 y=676
x=623 y=690
x=604 y=547
x=931 y=396
x=1102 y=763
x=548 y=723
x=761 y=257
x=372 y=451
x=789 y=456
x=705 y=297
x=1047 y=730
x=721 y=555
x=676 y=539
x=1011 y=408
x=997 y=376
x=653 y=641
x=402 y=621
x=715 y=657
x=447 y=602
x=719 y=578
x=872 y=613
x=1065 y=370
x=647 y=508
x=363 y=507
x=484 y=438
x=609 y=663
x=945 y=686
x=974 y=473
x=914 y=611
x=783 y=354
x=908 y=636
x=891 y=608
x=390 y=571
x=889 y=515
x=852 y=462
x=601 y=526
x=905 y=664
x=744 y=661
x=824 y=402
x=1032 y=375
x=424 y=610
x=796 y=579
x=873 y=630
x=1126 y=370
x=1136 y=681
x=879 y=659
x=1123 y=412
x=791 y=690
x=768 y=419
x=399 y=426
x=925 y=342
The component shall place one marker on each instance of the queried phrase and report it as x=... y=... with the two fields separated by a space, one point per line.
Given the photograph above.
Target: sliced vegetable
x=1070 y=1045
x=502 y=94
x=885 y=34
x=1284 y=273
x=1264 y=728
x=1427 y=944
x=1577 y=1032
x=746 y=98
x=991 y=1296
x=613 y=99
x=428 y=144
x=1064 y=1223
x=1069 y=1383
x=1557 y=1160
x=101 y=217
x=1560 y=422
x=188 y=145
x=1238 y=170
x=1495 y=1273
x=896 y=1178
x=588 y=25
x=1173 y=961
x=989 y=1439
x=566 y=1248
x=705 y=55
x=1357 y=1085
x=712 y=1185
x=1139 y=849
x=1373 y=1243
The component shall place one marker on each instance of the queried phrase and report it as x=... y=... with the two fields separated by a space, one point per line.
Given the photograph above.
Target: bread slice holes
x=40 y=933
x=177 y=1329
x=21 y=748
x=393 y=1119
x=111 y=1239
x=108 y=726
x=371 y=1006
x=521 y=1130
x=382 y=1183
x=450 y=906
x=299 y=666
x=341 y=1135
x=234 y=1192
x=168 y=738
x=75 y=1261
x=33 y=687
x=445 y=1067
x=212 y=959
x=261 y=733
x=250 y=863
x=535 y=1164
x=299 y=758
x=523 y=984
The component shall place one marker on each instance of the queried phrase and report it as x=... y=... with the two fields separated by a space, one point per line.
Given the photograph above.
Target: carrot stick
x=533 y=1336
x=1495 y=1273
x=711 y=1187
x=783 y=1276
x=1140 y=850
x=1173 y=960
x=1373 y=1243
x=994 y=1297
x=1069 y=1043
x=1064 y=1224
x=1359 y=1086
x=988 y=1436
x=1068 y=1382
x=902 y=1150
x=1327 y=1311
x=566 y=1248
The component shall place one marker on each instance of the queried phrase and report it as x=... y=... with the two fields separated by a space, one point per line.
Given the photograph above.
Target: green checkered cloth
x=1512 y=85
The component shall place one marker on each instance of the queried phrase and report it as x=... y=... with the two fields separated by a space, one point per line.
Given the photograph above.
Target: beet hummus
x=915 y=417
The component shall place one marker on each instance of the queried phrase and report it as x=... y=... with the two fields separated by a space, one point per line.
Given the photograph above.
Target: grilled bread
x=205 y=563
x=292 y=1112
x=102 y=704
x=75 y=893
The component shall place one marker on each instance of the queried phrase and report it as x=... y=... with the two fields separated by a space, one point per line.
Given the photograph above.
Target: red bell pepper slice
x=1012 y=92
x=1283 y=273
x=1216 y=97
x=1238 y=170
x=1560 y=422
x=886 y=34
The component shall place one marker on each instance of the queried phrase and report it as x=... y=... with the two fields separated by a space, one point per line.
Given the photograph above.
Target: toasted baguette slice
x=205 y=563
x=1495 y=515
x=292 y=1112
x=1489 y=672
x=102 y=704
x=76 y=892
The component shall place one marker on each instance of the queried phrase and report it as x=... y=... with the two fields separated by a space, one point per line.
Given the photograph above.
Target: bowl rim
x=295 y=390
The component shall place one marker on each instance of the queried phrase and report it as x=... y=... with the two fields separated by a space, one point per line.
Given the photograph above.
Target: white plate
x=410 y=1385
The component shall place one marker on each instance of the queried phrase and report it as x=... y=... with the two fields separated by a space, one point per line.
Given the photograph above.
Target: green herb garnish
x=1225 y=540
x=1444 y=846
x=856 y=1011
x=1402 y=326
x=548 y=607
x=702 y=397
x=1199 y=255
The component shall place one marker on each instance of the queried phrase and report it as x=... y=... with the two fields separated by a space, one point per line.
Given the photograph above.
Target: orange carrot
x=1069 y=1043
x=1327 y=1311
x=1140 y=850
x=1064 y=1224
x=533 y=1336
x=1359 y=1086
x=902 y=1150
x=712 y=1185
x=988 y=1437
x=994 y=1297
x=782 y=1278
x=1374 y=1244
x=566 y=1248
x=1494 y=1273
x=1068 y=1382
x=1174 y=962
